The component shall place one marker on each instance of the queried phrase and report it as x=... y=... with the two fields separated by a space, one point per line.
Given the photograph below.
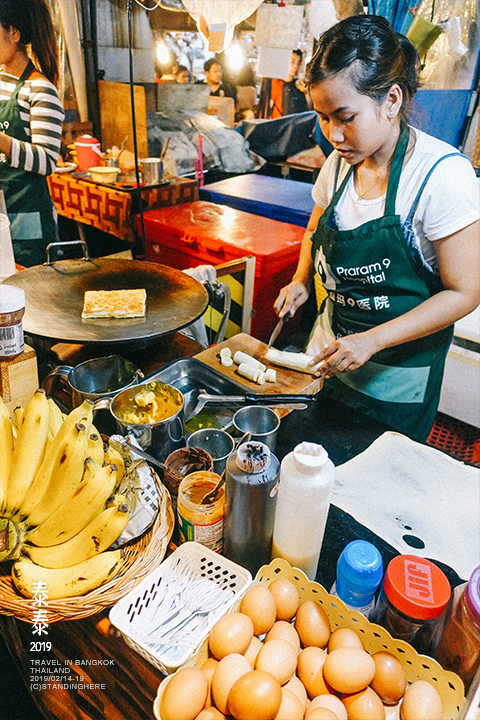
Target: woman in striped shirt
x=31 y=117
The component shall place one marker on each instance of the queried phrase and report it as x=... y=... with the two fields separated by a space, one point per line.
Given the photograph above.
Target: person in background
x=182 y=76
x=289 y=96
x=213 y=77
x=31 y=117
x=394 y=234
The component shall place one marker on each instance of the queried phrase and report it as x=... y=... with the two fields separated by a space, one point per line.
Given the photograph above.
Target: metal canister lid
x=12 y=299
x=416 y=586
x=253 y=457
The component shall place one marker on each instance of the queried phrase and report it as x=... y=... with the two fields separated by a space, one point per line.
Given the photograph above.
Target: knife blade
x=277 y=329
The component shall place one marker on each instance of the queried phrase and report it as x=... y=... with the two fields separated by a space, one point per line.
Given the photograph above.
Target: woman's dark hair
x=375 y=56
x=32 y=19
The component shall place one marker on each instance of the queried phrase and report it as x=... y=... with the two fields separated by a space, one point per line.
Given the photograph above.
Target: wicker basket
x=141 y=557
x=374 y=637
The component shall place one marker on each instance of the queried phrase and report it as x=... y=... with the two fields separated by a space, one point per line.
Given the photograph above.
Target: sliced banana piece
x=241 y=357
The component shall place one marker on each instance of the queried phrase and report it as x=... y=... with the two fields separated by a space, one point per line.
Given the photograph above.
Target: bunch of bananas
x=58 y=511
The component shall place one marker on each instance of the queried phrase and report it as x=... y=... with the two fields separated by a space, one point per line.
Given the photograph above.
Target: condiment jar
x=459 y=646
x=359 y=573
x=12 y=309
x=414 y=594
x=201 y=523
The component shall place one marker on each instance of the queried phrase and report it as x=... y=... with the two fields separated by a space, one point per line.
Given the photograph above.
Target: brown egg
x=210 y=713
x=344 y=637
x=184 y=695
x=296 y=686
x=322 y=713
x=364 y=705
x=310 y=670
x=208 y=671
x=389 y=681
x=259 y=604
x=290 y=708
x=257 y=695
x=210 y=662
x=332 y=702
x=421 y=702
x=286 y=597
x=231 y=634
x=312 y=624
x=285 y=631
x=228 y=670
x=253 y=649
x=348 y=670
x=279 y=658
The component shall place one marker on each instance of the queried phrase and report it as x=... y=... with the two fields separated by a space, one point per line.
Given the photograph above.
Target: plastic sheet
x=223 y=147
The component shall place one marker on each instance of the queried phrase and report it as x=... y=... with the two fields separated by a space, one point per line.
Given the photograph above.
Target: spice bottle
x=459 y=646
x=359 y=573
x=251 y=485
x=414 y=594
x=12 y=309
x=306 y=479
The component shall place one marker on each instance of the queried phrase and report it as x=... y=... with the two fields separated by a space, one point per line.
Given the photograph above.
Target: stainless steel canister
x=152 y=171
x=250 y=498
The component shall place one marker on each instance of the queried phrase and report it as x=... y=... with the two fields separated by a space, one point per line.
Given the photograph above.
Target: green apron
x=373 y=275
x=29 y=205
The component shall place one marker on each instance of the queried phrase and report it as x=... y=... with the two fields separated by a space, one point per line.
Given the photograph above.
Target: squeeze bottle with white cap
x=359 y=573
x=306 y=480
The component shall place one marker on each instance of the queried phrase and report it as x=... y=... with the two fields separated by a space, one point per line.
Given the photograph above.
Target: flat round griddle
x=54 y=299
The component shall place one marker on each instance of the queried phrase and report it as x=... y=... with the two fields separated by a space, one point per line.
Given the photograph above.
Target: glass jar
x=459 y=646
x=414 y=594
x=201 y=523
x=12 y=309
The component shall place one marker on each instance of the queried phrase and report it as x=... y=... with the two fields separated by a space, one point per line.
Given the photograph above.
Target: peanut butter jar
x=197 y=522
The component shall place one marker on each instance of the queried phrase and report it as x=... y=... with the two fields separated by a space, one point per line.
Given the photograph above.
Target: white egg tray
x=132 y=614
x=374 y=637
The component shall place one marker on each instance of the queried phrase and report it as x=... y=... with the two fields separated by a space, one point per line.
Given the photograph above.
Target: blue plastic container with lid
x=359 y=573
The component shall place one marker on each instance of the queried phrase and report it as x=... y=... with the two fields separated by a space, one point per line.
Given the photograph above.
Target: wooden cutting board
x=288 y=381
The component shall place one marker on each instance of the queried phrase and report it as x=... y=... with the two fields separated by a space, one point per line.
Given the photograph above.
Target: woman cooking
x=394 y=234
x=31 y=119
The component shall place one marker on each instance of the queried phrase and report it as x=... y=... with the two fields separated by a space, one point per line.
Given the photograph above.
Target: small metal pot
x=159 y=438
x=93 y=379
x=152 y=171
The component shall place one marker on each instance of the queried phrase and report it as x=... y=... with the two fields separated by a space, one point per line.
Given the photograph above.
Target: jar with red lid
x=12 y=309
x=459 y=646
x=414 y=595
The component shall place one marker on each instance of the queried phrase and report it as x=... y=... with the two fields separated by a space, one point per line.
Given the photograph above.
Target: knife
x=277 y=329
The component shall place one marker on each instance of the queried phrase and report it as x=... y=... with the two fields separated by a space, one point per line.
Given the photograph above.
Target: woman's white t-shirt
x=449 y=202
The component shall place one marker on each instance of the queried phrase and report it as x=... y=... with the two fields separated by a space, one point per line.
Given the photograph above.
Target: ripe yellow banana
x=64 y=479
x=17 y=415
x=53 y=458
x=95 y=537
x=56 y=416
x=73 y=515
x=95 y=446
x=28 y=451
x=67 y=582
x=113 y=456
x=6 y=449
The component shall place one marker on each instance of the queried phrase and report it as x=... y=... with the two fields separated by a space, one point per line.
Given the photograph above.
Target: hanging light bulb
x=235 y=57
x=163 y=53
